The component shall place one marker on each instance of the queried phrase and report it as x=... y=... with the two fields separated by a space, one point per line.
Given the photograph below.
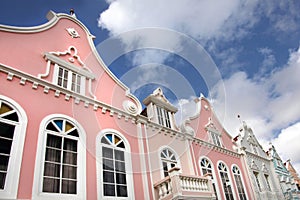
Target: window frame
x=69 y=79
x=163 y=117
x=257 y=181
x=40 y=160
x=99 y=166
x=267 y=180
x=168 y=161
x=215 y=138
x=229 y=178
x=10 y=190
x=213 y=174
x=241 y=179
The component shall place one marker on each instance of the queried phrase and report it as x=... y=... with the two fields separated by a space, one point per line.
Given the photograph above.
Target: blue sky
x=253 y=44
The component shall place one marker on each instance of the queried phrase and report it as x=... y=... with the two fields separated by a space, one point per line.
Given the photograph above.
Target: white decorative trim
x=81 y=167
x=53 y=57
x=130 y=107
x=13 y=172
x=73 y=33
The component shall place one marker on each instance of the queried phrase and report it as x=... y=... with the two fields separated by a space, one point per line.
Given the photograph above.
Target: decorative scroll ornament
x=130 y=107
x=72 y=32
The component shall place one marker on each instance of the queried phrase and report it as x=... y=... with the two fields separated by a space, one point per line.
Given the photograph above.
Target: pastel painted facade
x=69 y=129
x=287 y=183
x=293 y=172
x=260 y=167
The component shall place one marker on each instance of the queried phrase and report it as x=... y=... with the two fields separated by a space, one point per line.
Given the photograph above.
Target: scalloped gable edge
x=216 y=118
x=53 y=19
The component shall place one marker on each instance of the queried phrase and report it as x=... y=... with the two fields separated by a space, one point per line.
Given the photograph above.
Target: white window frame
x=163 y=117
x=214 y=177
x=215 y=138
x=256 y=176
x=160 y=160
x=242 y=180
x=229 y=177
x=99 y=167
x=10 y=190
x=69 y=79
x=37 y=191
x=267 y=180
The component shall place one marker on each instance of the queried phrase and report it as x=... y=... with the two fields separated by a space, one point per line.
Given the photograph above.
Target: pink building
x=69 y=129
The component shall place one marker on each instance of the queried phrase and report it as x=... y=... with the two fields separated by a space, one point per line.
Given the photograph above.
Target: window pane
x=108 y=164
x=3 y=162
x=51 y=127
x=54 y=141
x=69 y=172
x=68 y=187
x=121 y=191
x=2 y=180
x=74 y=133
x=121 y=145
x=70 y=158
x=7 y=130
x=109 y=190
x=108 y=177
x=53 y=155
x=120 y=166
x=51 y=185
x=52 y=169
x=70 y=145
x=5 y=146
x=119 y=155
x=107 y=152
x=13 y=117
x=120 y=178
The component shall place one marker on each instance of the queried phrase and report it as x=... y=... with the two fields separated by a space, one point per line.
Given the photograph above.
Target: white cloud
x=287 y=144
x=269 y=105
x=199 y=19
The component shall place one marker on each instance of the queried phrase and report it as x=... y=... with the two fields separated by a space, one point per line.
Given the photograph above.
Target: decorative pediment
x=158 y=93
x=210 y=126
x=253 y=165
x=68 y=59
x=158 y=98
x=71 y=55
x=264 y=168
x=251 y=140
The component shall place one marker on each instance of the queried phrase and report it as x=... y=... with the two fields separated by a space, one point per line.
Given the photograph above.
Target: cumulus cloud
x=264 y=103
x=264 y=100
x=287 y=144
x=270 y=105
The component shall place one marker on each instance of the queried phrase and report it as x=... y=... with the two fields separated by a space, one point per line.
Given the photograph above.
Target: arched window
x=168 y=160
x=115 y=179
x=60 y=164
x=225 y=181
x=206 y=168
x=13 y=123
x=61 y=159
x=239 y=184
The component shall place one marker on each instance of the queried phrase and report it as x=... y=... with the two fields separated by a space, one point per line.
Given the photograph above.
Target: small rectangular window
x=69 y=80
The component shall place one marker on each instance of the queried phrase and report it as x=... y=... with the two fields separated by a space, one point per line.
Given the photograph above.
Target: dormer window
x=215 y=135
x=70 y=80
x=163 y=117
x=159 y=109
x=216 y=138
x=69 y=71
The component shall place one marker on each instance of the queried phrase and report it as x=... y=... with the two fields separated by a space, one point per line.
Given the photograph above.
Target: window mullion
x=61 y=165
x=69 y=81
